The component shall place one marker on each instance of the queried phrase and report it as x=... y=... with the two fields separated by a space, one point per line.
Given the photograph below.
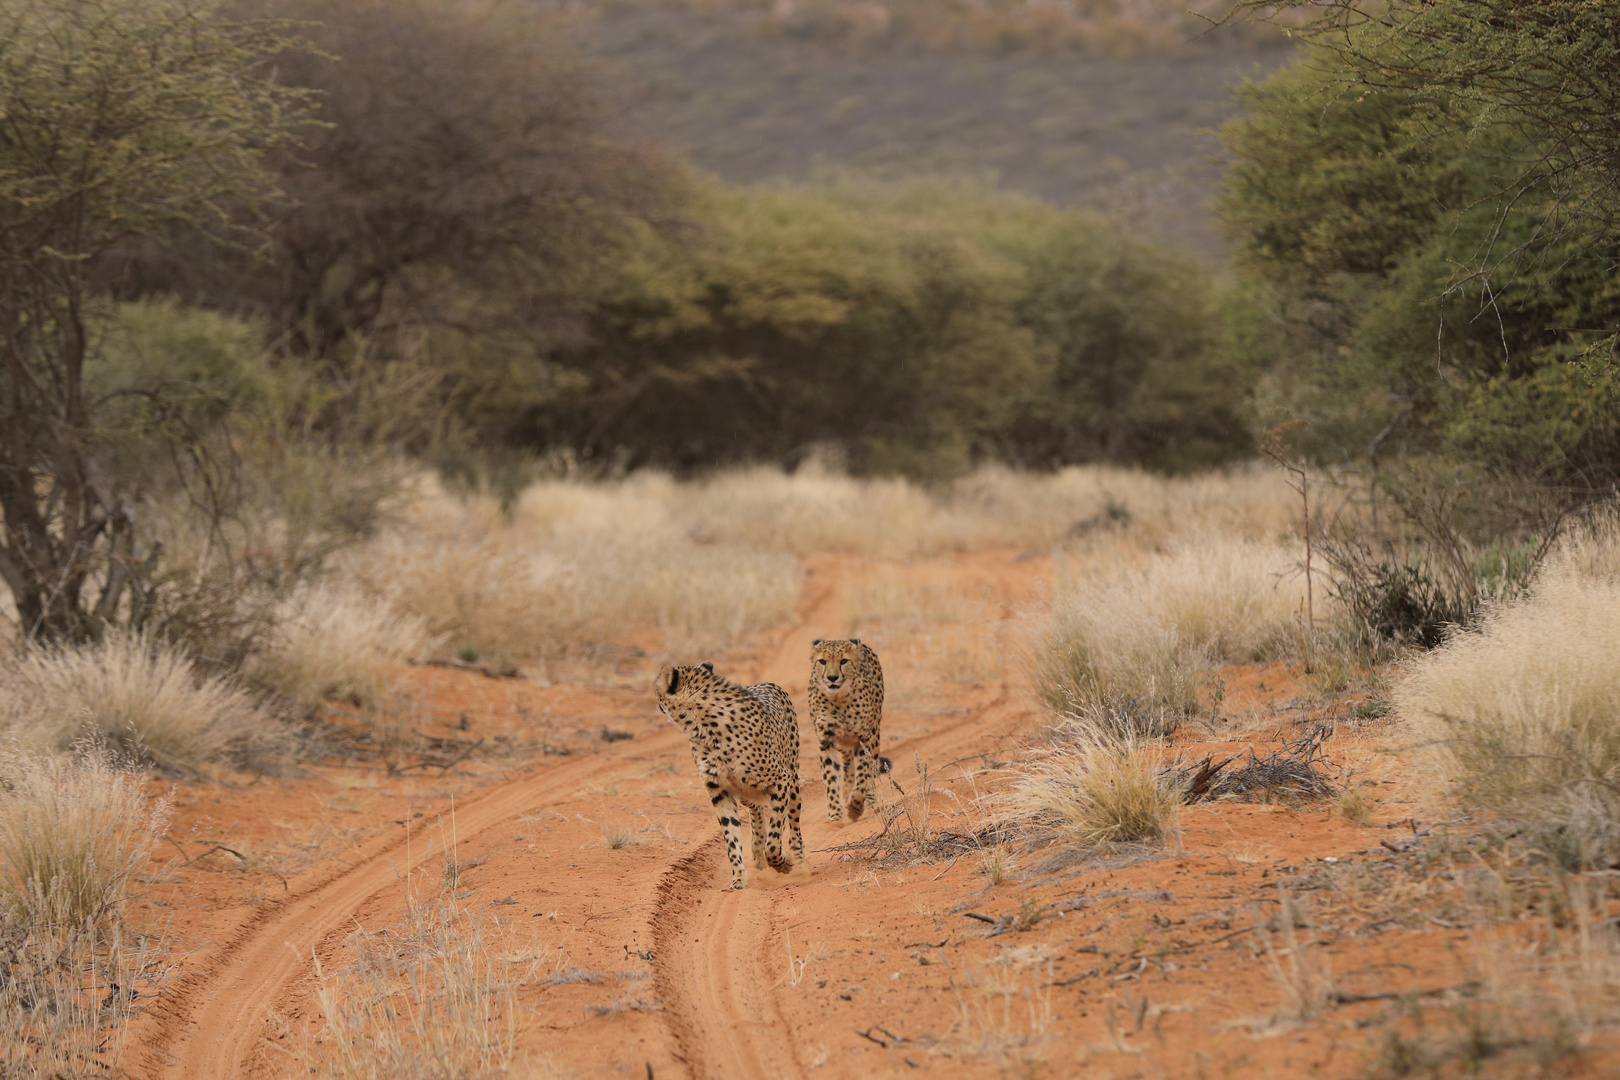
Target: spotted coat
x=745 y=741
x=846 y=706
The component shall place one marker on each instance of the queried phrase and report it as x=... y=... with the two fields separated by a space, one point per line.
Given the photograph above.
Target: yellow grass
x=1523 y=714
x=73 y=833
x=141 y=696
x=577 y=567
x=428 y=999
x=1126 y=643
x=1097 y=791
x=814 y=510
x=331 y=642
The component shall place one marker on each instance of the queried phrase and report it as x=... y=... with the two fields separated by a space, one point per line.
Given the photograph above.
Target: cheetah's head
x=675 y=687
x=833 y=663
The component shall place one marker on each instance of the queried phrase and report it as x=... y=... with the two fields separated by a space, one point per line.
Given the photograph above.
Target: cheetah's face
x=674 y=688
x=833 y=664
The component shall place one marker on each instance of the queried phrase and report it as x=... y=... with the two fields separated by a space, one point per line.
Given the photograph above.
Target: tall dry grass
x=1098 y=790
x=332 y=642
x=74 y=832
x=143 y=697
x=816 y=510
x=1522 y=714
x=428 y=999
x=1124 y=645
x=685 y=568
x=576 y=567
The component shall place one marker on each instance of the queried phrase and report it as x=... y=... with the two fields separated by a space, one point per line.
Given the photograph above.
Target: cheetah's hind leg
x=731 y=823
x=795 y=837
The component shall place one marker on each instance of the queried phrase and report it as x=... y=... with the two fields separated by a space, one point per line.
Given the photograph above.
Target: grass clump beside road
x=1124 y=646
x=75 y=830
x=1098 y=790
x=141 y=696
x=1522 y=714
x=336 y=643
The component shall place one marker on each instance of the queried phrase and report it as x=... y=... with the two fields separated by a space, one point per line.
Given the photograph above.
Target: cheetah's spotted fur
x=846 y=704
x=745 y=741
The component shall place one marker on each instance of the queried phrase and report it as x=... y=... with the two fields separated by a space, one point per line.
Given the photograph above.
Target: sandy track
x=211 y=1021
x=714 y=946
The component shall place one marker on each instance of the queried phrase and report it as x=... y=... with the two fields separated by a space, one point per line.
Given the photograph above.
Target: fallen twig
x=462 y=665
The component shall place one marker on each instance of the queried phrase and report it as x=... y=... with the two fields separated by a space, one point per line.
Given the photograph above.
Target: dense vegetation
x=328 y=235
x=1425 y=220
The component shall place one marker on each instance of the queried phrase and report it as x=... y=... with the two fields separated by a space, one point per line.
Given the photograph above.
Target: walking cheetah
x=745 y=741
x=846 y=704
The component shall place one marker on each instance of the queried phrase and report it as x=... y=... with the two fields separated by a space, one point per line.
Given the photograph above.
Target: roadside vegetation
x=336 y=337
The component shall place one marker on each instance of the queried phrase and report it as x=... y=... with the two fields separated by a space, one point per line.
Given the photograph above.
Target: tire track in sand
x=210 y=1022
x=710 y=942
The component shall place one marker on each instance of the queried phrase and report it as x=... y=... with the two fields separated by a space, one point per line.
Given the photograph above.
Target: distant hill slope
x=1129 y=135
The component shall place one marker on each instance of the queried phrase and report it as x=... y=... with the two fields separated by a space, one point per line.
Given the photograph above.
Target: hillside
x=1131 y=134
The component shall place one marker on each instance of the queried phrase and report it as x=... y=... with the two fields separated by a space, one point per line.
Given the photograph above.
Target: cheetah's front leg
x=864 y=788
x=773 y=842
x=832 y=774
x=852 y=784
x=726 y=808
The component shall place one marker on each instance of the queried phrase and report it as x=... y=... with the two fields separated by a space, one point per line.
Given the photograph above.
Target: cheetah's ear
x=668 y=679
x=706 y=666
x=854 y=641
x=818 y=641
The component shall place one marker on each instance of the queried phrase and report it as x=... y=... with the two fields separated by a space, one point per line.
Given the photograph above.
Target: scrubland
x=1156 y=587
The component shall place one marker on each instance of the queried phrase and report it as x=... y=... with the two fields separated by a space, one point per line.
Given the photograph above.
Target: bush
x=921 y=328
x=135 y=694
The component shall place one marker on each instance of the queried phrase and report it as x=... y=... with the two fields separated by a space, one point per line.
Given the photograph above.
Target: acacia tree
x=1549 y=70
x=118 y=119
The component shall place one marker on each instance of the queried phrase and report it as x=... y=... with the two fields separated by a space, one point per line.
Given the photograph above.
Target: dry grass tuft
x=1097 y=792
x=142 y=697
x=1124 y=646
x=73 y=833
x=333 y=643
x=1354 y=806
x=426 y=1000
x=1521 y=714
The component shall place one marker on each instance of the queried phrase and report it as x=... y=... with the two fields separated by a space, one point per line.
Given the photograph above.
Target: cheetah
x=745 y=741
x=846 y=705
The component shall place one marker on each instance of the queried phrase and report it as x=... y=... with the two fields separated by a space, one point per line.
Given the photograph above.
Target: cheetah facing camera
x=846 y=704
x=745 y=741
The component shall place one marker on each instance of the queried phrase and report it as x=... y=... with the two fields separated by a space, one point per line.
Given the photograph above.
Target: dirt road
x=713 y=956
